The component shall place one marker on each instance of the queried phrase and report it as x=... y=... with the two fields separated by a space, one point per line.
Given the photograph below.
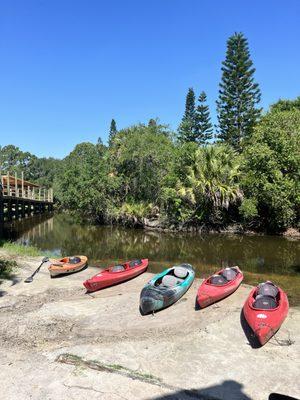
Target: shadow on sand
x=252 y=339
x=277 y=396
x=228 y=390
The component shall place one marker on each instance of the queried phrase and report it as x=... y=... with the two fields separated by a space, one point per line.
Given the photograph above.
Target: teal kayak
x=166 y=288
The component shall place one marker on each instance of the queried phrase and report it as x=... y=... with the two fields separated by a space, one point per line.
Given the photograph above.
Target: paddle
x=30 y=278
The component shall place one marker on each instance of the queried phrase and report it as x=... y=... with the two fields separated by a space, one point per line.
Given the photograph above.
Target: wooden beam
x=16 y=186
x=23 y=194
x=8 y=184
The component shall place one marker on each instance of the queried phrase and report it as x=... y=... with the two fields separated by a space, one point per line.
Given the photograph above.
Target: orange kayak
x=67 y=265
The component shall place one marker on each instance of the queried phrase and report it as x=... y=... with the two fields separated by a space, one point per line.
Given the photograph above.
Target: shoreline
x=156 y=225
x=59 y=342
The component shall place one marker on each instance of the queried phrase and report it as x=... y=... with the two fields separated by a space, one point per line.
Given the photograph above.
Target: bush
x=271 y=169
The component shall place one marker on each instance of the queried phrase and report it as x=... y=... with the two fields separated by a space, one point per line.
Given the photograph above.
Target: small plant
x=6 y=268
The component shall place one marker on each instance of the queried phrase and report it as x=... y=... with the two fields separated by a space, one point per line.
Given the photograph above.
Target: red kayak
x=116 y=274
x=219 y=285
x=266 y=312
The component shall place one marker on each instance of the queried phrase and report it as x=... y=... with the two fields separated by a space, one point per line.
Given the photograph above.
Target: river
x=260 y=257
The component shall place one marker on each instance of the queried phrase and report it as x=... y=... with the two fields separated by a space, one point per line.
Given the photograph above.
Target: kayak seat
x=135 y=263
x=74 y=260
x=118 y=268
x=229 y=273
x=180 y=272
x=218 y=280
x=170 y=281
x=267 y=289
x=265 y=302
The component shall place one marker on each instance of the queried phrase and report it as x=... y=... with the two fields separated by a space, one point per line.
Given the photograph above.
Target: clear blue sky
x=69 y=66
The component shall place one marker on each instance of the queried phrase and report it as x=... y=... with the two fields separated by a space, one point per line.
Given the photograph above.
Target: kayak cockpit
x=175 y=276
x=223 y=277
x=266 y=296
x=125 y=267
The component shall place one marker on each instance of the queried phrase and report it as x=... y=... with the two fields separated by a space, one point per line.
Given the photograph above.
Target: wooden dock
x=20 y=198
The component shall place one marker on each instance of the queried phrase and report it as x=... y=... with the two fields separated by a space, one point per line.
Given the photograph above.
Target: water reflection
x=261 y=257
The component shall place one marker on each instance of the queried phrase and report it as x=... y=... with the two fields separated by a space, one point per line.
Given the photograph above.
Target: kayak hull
x=154 y=298
x=107 y=278
x=62 y=267
x=208 y=294
x=265 y=323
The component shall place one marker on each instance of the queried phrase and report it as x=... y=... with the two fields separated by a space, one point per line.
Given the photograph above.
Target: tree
x=152 y=122
x=84 y=185
x=203 y=126
x=12 y=159
x=271 y=171
x=286 y=105
x=238 y=94
x=186 y=130
x=112 y=132
x=209 y=184
x=141 y=161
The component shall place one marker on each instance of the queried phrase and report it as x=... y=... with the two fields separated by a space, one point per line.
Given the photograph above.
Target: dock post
x=9 y=209
x=23 y=185
x=8 y=184
x=16 y=186
x=23 y=209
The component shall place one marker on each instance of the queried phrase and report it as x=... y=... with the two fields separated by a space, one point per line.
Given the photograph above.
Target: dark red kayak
x=116 y=274
x=219 y=285
x=266 y=312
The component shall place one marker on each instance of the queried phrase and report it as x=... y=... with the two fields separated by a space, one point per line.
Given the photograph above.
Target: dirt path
x=58 y=342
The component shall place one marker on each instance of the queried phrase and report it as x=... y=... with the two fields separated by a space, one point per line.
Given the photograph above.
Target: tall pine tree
x=203 y=126
x=112 y=131
x=186 y=130
x=152 y=122
x=238 y=94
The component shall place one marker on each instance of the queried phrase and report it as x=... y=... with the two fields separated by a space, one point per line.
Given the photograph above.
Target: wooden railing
x=12 y=186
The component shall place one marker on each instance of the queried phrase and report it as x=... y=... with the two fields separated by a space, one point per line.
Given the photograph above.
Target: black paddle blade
x=30 y=278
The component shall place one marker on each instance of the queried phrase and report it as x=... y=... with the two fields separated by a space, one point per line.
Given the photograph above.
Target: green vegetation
x=21 y=250
x=39 y=170
x=203 y=124
x=186 y=130
x=184 y=180
x=195 y=125
x=67 y=358
x=238 y=95
x=6 y=268
x=112 y=131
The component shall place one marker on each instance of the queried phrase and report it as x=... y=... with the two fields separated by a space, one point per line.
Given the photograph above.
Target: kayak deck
x=116 y=274
x=209 y=293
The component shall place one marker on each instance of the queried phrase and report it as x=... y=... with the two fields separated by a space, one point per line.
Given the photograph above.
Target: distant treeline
x=244 y=171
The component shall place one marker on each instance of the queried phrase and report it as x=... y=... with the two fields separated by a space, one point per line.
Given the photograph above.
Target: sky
x=67 y=67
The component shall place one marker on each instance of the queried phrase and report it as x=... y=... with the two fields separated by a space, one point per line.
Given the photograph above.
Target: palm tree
x=212 y=179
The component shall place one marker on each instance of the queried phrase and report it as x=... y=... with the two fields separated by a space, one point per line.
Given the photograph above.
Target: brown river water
x=260 y=257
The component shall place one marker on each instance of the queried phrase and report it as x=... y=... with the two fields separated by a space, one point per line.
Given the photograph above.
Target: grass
x=73 y=359
x=21 y=250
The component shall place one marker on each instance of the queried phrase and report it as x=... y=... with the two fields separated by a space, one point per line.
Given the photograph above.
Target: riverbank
x=158 y=224
x=58 y=342
x=235 y=229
